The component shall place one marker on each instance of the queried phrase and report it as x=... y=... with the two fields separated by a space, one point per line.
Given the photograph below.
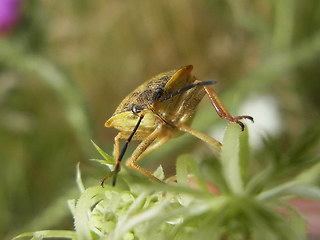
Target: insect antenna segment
x=186 y=88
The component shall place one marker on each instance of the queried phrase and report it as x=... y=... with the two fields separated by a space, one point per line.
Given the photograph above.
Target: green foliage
x=140 y=209
x=66 y=66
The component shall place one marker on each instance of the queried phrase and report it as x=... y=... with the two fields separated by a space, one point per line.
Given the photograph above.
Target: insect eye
x=159 y=91
x=157 y=94
x=136 y=109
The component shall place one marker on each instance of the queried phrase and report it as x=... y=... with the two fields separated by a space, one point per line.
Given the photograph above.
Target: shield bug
x=161 y=109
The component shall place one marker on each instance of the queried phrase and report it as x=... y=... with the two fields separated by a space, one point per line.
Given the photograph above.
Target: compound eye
x=135 y=108
x=157 y=94
x=159 y=91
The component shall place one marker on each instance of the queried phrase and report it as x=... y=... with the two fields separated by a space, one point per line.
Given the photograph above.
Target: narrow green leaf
x=158 y=173
x=244 y=154
x=103 y=162
x=72 y=205
x=230 y=158
x=194 y=169
x=187 y=165
x=79 y=179
x=291 y=189
x=108 y=159
x=58 y=234
x=182 y=170
x=182 y=177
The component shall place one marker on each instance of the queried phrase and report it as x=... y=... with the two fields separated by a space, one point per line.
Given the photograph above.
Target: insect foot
x=238 y=118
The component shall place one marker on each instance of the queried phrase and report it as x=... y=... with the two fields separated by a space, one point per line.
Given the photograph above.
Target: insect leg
x=155 y=146
x=207 y=139
x=142 y=147
x=221 y=110
x=116 y=145
x=115 y=153
x=124 y=149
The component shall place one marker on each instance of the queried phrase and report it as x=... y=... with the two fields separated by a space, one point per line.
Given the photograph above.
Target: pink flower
x=9 y=14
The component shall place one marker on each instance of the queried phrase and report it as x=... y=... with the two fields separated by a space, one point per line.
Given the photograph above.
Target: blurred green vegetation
x=68 y=64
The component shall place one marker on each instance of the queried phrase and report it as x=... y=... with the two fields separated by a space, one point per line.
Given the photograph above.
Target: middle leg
x=207 y=139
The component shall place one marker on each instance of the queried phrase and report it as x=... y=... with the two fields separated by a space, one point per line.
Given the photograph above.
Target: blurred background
x=66 y=65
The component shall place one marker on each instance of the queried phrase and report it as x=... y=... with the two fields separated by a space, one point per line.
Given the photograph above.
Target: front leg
x=221 y=110
x=116 y=155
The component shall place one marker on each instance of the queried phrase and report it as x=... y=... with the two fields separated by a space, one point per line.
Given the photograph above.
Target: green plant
x=225 y=201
